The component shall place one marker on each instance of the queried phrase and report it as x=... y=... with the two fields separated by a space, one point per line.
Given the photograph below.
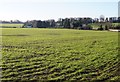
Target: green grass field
x=11 y=25
x=59 y=54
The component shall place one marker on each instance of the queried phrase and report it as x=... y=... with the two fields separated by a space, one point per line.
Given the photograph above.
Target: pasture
x=59 y=54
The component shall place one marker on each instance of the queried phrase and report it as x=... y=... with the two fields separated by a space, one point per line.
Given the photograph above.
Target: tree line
x=63 y=23
x=71 y=23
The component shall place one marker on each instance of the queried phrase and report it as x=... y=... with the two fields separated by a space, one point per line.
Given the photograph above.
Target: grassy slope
x=59 y=54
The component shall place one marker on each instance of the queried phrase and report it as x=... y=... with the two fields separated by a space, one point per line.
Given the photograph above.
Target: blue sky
x=53 y=9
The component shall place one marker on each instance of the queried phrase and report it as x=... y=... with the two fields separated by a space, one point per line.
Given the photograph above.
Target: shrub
x=117 y=27
x=101 y=28
x=106 y=27
x=89 y=27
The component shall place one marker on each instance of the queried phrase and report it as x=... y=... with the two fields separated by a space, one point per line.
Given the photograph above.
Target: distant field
x=97 y=25
x=116 y=24
x=11 y=25
x=59 y=54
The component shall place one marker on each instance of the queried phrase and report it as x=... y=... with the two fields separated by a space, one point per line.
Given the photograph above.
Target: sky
x=24 y=10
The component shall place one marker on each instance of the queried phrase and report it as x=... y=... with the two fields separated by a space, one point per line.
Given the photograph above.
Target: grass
x=11 y=25
x=59 y=54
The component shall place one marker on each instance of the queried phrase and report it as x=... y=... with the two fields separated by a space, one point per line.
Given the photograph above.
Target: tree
x=66 y=23
x=106 y=20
